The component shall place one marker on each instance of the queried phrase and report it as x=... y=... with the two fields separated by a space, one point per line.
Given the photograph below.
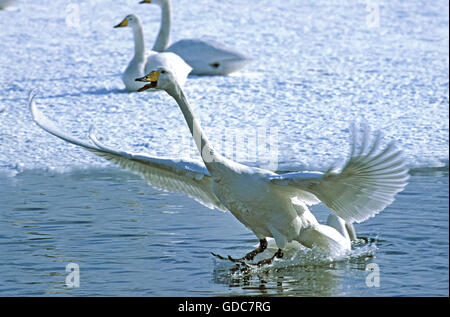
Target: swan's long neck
x=162 y=41
x=139 y=44
x=209 y=156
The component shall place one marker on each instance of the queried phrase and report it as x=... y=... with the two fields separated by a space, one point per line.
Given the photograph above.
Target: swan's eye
x=163 y=71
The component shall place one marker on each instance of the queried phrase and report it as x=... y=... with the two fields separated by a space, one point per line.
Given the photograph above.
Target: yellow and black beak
x=122 y=24
x=151 y=79
x=145 y=1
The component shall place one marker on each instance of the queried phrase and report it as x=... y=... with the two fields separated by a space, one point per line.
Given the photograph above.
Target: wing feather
x=182 y=176
x=365 y=185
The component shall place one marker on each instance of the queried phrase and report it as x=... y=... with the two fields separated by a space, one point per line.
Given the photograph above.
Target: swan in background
x=142 y=64
x=205 y=57
x=5 y=3
x=269 y=204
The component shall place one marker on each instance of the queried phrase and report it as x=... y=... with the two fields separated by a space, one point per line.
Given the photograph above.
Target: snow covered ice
x=318 y=67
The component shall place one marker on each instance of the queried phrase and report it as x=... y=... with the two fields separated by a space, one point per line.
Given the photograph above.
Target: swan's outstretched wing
x=366 y=184
x=182 y=176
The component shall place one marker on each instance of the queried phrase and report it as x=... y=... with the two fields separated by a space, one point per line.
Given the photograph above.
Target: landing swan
x=267 y=203
x=141 y=65
x=205 y=57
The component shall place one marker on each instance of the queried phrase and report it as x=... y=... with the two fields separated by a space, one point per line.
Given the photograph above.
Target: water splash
x=297 y=256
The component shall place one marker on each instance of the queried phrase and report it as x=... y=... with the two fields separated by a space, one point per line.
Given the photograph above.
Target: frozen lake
x=317 y=68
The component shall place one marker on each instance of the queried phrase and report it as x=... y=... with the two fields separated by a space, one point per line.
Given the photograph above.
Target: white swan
x=141 y=65
x=269 y=204
x=205 y=57
x=5 y=3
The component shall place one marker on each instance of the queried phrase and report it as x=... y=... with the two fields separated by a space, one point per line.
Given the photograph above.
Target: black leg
x=278 y=254
x=249 y=256
x=218 y=256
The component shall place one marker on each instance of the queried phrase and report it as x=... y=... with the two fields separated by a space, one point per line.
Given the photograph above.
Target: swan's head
x=159 y=78
x=130 y=20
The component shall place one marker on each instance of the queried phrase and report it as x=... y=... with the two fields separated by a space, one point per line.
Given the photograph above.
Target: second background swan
x=206 y=57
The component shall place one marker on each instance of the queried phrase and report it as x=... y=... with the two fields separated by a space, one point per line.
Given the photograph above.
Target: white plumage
x=365 y=186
